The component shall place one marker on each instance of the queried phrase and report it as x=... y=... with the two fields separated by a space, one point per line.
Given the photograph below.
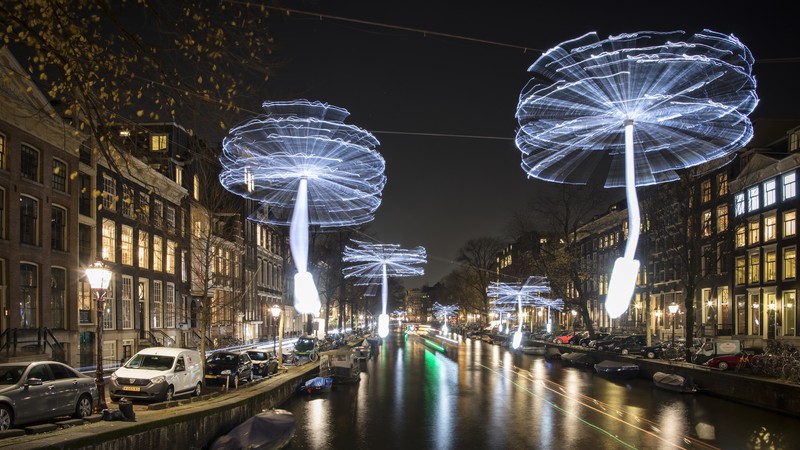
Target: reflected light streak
x=320 y=422
x=599 y=407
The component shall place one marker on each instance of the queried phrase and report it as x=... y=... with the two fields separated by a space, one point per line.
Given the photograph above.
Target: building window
x=170 y=219
x=770 y=228
x=109 y=240
x=705 y=191
x=741 y=236
x=2 y=213
x=722 y=218
x=3 y=163
x=196 y=188
x=752 y=199
x=755 y=268
x=770 y=266
x=158 y=142
x=721 y=259
x=769 y=193
x=755 y=316
x=158 y=252
x=109 y=193
x=126 y=246
x=28 y=295
x=754 y=232
x=85 y=201
x=789 y=263
x=707 y=223
x=85 y=302
x=127 y=201
x=127 y=302
x=85 y=243
x=58 y=299
x=741 y=314
x=58 y=228
x=789 y=185
x=158 y=311
x=28 y=220
x=30 y=163
x=789 y=223
x=144 y=207
x=740 y=270
x=722 y=184
x=169 y=306
x=171 y=248
x=179 y=175
x=144 y=250
x=59 y=175
x=110 y=310
x=739 y=204
x=789 y=313
x=158 y=213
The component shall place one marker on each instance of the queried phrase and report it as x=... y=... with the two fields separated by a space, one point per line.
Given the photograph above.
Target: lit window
x=705 y=190
x=769 y=193
x=722 y=218
x=755 y=267
x=144 y=250
x=752 y=199
x=789 y=223
x=707 y=223
x=770 y=269
x=754 y=233
x=126 y=247
x=127 y=201
x=144 y=207
x=171 y=247
x=789 y=185
x=158 y=252
x=158 y=142
x=179 y=175
x=740 y=270
x=158 y=311
x=109 y=239
x=722 y=184
x=196 y=188
x=739 y=204
x=770 y=228
x=127 y=302
x=109 y=192
x=789 y=263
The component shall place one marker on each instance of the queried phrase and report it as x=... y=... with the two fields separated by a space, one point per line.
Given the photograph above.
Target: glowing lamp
x=517 y=339
x=276 y=311
x=673 y=308
x=306 y=298
x=99 y=277
x=620 y=288
x=383 y=325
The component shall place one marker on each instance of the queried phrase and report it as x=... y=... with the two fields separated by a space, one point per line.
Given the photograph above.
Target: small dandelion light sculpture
x=641 y=104
x=305 y=166
x=375 y=262
x=527 y=293
x=444 y=312
x=556 y=304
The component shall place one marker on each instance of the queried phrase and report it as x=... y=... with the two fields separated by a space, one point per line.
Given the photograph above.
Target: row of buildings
x=726 y=235
x=150 y=209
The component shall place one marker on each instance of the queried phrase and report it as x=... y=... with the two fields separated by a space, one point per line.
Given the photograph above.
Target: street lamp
x=574 y=314
x=99 y=278
x=673 y=308
x=276 y=312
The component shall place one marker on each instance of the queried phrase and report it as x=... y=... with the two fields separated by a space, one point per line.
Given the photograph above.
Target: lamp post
x=658 y=318
x=574 y=314
x=99 y=278
x=276 y=312
x=673 y=308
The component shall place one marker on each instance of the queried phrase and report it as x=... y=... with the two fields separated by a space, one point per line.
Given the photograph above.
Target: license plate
x=211 y=376
x=131 y=388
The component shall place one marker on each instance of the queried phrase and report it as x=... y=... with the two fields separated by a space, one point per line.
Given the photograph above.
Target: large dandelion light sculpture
x=641 y=104
x=305 y=166
x=526 y=293
x=374 y=263
x=444 y=312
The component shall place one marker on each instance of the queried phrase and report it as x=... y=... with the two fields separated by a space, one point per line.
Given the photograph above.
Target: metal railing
x=16 y=341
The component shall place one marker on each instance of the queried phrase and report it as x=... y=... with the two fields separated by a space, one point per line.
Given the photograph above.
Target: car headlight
x=225 y=372
x=158 y=380
x=114 y=376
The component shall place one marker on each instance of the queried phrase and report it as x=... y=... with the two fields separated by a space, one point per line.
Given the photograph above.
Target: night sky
x=443 y=107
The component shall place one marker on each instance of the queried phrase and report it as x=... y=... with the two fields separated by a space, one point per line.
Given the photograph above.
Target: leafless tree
x=478 y=258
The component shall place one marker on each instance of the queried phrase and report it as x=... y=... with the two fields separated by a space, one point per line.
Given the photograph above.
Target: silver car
x=41 y=390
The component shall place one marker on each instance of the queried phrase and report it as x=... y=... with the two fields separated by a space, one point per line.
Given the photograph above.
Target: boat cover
x=265 y=431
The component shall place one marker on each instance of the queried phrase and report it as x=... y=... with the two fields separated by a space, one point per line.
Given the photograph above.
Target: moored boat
x=578 y=358
x=617 y=369
x=316 y=385
x=533 y=348
x=363 y=350
x=269 y=430
x=344 y=367
x=674 y=382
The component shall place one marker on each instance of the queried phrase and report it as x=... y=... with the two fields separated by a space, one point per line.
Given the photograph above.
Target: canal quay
x=429 y=392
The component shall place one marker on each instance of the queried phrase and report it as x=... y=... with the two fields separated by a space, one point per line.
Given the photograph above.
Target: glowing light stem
x=298 y=229
x=634 y=219
x=519 y=312
x=384 y=287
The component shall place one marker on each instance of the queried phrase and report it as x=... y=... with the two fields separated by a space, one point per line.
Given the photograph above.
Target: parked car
x=588 y=339
x=158 y=373
x=228 y=367
x=631 y=344
x=264 y=363
x=41 y=390
x=563 y=338
x=577 y=337
x=654 y=351
x=725 y=362
x=608 y=343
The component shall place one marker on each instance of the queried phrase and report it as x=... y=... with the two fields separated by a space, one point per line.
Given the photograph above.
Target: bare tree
x=478 y=257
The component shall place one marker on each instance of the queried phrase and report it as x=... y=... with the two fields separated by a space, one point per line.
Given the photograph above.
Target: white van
x=158 y=373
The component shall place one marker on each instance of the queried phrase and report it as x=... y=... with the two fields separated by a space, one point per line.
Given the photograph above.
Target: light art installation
x=641 y=104
x=444 y=312
x=374 y=262
x=528 y=293
x=556 y=304
x=305 y=166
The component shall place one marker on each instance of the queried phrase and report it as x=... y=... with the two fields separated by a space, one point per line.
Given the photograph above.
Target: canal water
x=412 y=396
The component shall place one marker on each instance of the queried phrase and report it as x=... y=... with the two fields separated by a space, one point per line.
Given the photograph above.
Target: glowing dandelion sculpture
x=556 y=304
x=527 y=293
x=444 y=312
x=375 y=262
x=642 y=104
x=306 y=167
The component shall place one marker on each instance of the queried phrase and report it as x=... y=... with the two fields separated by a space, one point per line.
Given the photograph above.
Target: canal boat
x=268 y=430
x=551 y=353
x=533 y=348
x=617 y=369
x=674 y=382
x=316 y=385
x=578 y=359
x=363 y=350
x=344 y=367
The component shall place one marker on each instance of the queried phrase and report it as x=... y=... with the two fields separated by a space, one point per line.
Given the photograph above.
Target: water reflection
x=412 y=396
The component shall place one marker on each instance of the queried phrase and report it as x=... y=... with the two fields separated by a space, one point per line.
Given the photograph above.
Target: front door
x=144 y=324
